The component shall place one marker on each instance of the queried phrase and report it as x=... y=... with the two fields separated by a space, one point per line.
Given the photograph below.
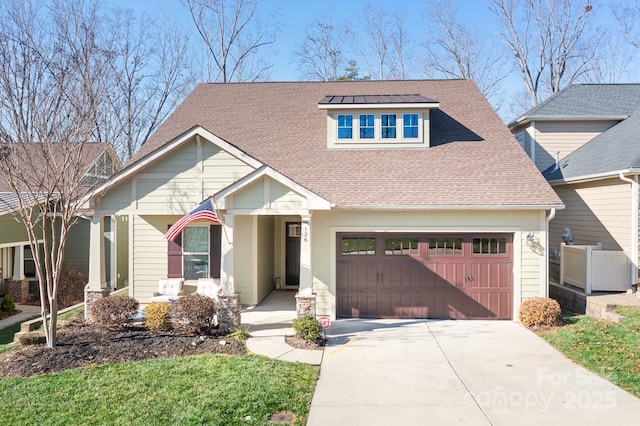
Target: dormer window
x=357 y=122
x=345 y=126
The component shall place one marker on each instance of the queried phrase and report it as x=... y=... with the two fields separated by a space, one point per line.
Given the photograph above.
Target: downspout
x=634 y=227
x=548 y=219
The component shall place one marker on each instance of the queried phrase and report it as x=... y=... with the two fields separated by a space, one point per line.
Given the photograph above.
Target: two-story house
x=403 y=199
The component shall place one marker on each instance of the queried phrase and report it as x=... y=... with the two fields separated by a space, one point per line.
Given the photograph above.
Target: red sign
x=325 y=322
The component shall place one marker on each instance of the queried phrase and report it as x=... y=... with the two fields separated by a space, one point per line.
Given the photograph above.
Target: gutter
x=596 y=176
x=548 y=219
x=526 y=119
x=634 y=226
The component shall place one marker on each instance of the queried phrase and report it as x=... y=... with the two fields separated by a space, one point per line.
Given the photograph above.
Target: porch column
x=305 y=255
x=96 y=254
x=18 y=263
x=226 y=264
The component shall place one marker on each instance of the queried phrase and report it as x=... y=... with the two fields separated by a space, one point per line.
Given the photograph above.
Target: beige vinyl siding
x=244 y=259
x=529 y=259
x=176 y=183
x=122 y=253
x=265 y=256
x=597 y=211
x=565 y=137
x=149 y=254
x=266 y=193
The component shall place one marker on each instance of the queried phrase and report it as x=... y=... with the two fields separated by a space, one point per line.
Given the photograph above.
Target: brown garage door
x=425 y=276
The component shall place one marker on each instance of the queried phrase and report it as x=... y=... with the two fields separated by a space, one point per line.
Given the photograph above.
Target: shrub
x=32 y=338
x=71 y=287
x=7 y=304
x=157 y=316
x=113 y=312
x=539 y=311
x=193 y=314
x=307 y=327
x=242 y=334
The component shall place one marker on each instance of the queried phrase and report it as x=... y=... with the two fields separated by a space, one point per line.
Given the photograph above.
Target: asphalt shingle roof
x=473 y=159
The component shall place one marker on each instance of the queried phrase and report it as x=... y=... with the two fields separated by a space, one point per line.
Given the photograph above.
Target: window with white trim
x=195 y=252
x=410 y=126
x=345 y=126
x=367 y=126
x=388 y=126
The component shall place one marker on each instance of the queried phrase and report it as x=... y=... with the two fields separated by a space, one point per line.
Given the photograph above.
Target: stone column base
x=305 y=305
x=229 y=312
x=90 y=296
x=19 y=290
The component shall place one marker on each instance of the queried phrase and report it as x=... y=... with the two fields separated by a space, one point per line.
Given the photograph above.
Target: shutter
x=174 y=258
x=215 y=250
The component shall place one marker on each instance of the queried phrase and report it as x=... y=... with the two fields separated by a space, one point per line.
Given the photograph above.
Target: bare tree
x=321 y=54
x=455 y=50
x=549 y=41
x=628 y=16
x=382 y=43
x=234 y=36
x=149 y=73
x=47 y=117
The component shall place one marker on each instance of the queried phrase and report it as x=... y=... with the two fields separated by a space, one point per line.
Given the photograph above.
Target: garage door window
x=401 y=246
x=445 y=247
x=358 y=246
x=489 y=246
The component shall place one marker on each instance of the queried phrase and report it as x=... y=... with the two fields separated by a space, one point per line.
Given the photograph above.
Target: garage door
x=466 y=276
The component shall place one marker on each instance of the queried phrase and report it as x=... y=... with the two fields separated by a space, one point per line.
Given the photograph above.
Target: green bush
x=7 y=304
x=539 y=311
x=193 y=314
x=157 y=316
x=307 y=327
x=114 y=312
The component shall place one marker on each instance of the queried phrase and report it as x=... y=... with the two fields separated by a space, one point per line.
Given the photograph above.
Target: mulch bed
x=80 y=345
x=4 y=314
x=298 y=343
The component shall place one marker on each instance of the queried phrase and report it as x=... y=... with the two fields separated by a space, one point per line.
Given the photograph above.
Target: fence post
x=562 y=246
x=589 y=271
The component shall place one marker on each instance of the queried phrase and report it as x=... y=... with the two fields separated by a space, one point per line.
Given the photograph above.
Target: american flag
x=204 y=211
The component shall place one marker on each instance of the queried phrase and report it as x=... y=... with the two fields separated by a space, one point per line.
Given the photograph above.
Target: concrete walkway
x=416 y=372
x=270 y=322
x=28 y=311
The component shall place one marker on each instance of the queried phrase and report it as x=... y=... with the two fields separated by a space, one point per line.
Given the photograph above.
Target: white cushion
x=209 y=287
x=170 y=286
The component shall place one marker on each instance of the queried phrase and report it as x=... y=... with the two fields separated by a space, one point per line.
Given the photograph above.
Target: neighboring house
x=585 y=141
x=16 y=259
x=373 y=198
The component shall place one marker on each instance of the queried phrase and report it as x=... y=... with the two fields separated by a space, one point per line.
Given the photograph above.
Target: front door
x=292 y=253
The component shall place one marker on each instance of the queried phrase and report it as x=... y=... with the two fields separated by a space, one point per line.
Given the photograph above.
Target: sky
x=296 y=15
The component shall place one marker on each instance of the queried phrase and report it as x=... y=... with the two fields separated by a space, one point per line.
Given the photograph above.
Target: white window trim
x=196 y=253
x=377 y=141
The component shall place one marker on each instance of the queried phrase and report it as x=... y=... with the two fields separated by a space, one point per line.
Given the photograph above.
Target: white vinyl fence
x=593 y=269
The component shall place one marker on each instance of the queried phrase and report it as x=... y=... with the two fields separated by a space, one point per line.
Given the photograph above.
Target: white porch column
x=18 y=263
x=226 y=265
x=96 y=254
x=305 y=255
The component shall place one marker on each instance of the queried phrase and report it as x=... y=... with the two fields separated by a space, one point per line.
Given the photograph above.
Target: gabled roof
x=91 y=153
x=586 y=102
x=614 y=150
x=473 y=161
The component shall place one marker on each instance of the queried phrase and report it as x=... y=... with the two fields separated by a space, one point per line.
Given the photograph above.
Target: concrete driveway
x=429 y=372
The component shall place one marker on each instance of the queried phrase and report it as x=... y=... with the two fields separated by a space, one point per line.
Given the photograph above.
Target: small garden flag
x=204 y=211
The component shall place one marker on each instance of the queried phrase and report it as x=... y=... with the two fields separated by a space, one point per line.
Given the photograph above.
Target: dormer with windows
x=377 y=121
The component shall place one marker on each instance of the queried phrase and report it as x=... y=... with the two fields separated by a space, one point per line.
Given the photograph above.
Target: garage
x=384 y=275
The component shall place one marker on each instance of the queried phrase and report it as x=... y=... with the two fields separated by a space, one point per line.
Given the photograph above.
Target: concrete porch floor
x=269 y=322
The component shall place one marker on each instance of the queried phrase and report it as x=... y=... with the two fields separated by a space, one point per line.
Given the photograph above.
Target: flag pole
x=217 y=211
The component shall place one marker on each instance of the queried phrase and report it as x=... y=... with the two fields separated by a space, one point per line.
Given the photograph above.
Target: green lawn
x=204 y=389
x=608 y=349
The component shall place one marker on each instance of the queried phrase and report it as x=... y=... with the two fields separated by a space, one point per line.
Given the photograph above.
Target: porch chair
x=209 y=287
x=169 y=289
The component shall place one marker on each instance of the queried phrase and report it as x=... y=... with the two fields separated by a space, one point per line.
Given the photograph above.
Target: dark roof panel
x=375 y=99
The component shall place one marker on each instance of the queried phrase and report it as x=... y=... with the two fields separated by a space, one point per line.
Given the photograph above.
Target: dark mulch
x=298 y=343
x=81 y=345
x=4 y=314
